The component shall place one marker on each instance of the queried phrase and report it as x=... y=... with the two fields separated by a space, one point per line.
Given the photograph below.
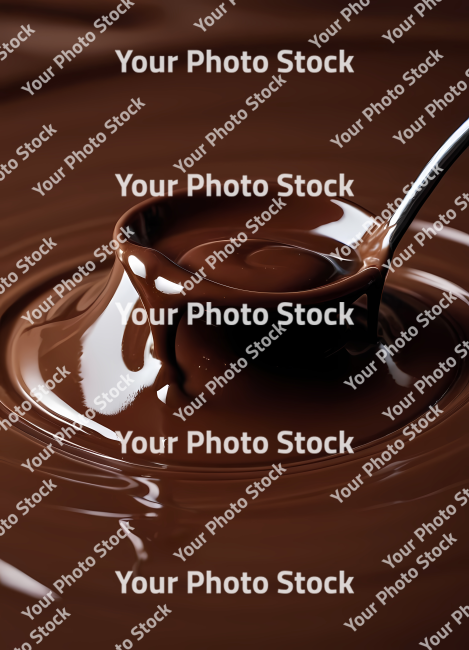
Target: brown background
x=290 y=133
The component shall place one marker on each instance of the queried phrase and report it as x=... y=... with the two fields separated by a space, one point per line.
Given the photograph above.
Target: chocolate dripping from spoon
x=159 y=279
x=385 y=241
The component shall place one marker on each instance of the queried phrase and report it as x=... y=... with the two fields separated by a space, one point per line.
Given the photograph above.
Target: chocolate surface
x=296 y=385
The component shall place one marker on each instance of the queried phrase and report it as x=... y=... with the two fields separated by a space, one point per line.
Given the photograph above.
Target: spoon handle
x=426 y=183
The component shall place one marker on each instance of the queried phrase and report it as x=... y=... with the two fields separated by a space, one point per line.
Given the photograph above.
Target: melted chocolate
x=296 y=385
